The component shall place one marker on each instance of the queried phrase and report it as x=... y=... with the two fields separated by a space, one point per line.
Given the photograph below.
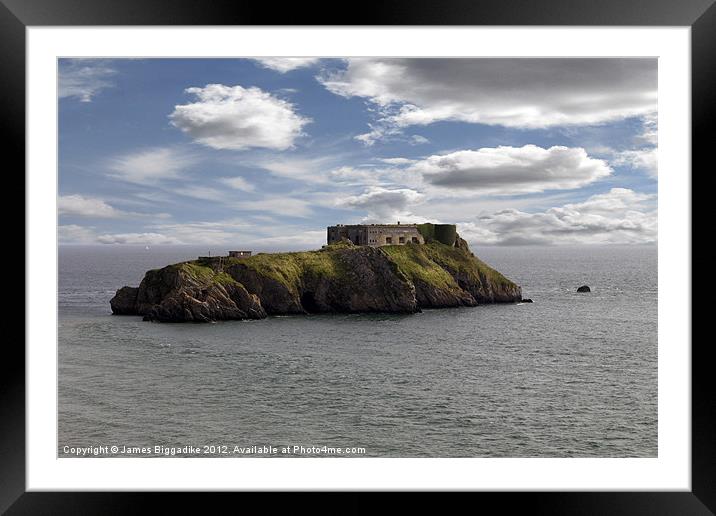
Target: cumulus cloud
x=619 y=216
x=286 y=64
x=512 y=170
x=151 y=165
x=640 y=159
x=521 y=93
x=83 y=78
x=86 y=207
x=238 y=118
x=383 y=204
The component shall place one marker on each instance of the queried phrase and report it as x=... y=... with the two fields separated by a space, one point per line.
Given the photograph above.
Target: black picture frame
x=700 y=15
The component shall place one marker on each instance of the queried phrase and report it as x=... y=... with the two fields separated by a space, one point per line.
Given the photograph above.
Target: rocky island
x=342 y=277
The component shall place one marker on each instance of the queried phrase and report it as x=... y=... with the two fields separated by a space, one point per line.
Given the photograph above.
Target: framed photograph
x=438 y=249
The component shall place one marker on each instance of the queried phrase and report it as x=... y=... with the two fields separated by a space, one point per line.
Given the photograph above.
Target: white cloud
x=286 y=64
x=153 y=197
x=287 y=206
x=137 y=239
x=74 y=234
x=417 y=139
x=389 y=176
x=83 y=78
x=82 y=206
x=229 y=232
x=303 y=169
x=616 y=200
x=386 y=131
x=205 y=193
x=204 y=232
x=237 y=232
x=383 y=204
x=238 y=183
x=356 y=176
x=451 y=208
x=521 y=93
x=512 y=170
x=86 y=207
x=237 y=118
x=650 y=132
x=311 y=239
x=375 y=134
x=620 y=216
x=397 y=161
x=640 y=159
x=151 y=165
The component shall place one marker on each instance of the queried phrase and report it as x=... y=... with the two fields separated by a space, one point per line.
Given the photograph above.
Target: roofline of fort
x=370 y=225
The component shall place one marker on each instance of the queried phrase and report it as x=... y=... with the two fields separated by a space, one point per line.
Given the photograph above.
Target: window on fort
x=388 y=240
x=415 y=240
x=401 y=240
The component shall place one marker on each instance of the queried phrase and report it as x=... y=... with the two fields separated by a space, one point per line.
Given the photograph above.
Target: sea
x=569 y=375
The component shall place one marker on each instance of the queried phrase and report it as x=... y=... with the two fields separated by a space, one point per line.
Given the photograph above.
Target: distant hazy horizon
x=221 y=249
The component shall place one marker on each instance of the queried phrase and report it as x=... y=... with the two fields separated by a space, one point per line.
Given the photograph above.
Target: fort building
x=376 y=235
x=239 y=254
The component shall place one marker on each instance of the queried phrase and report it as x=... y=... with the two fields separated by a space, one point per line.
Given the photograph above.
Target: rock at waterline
x=528 y=300
x=584 y=288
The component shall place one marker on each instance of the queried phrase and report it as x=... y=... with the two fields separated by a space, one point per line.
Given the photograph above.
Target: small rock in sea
x=583 y=288
x=526 y=301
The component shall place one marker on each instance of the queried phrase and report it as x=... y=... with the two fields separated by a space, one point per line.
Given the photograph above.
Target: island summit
x=380 y=268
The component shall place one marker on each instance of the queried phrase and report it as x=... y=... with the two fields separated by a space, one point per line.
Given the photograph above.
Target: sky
x=263 y=154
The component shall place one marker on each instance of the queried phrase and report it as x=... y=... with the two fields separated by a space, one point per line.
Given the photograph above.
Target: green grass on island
x=290 y=269
x=433 y=263
x=415 y=262
x=204 y=273
x=464 y=262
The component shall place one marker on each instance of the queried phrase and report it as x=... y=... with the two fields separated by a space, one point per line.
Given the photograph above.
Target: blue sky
x=264 y=154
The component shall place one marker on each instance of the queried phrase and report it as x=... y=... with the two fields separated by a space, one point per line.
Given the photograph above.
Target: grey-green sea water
x=570 y=375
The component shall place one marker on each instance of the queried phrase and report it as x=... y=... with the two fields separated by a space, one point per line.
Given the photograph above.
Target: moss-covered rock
x=340 y=278
x=435 y=287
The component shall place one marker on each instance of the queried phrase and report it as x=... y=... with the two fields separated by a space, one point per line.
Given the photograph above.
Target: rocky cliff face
x=340 y=278
x=187 y=292
x=344 y=278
